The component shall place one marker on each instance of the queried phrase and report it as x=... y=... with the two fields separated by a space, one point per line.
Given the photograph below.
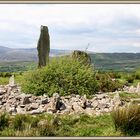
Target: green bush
x=106 y=84
x=137 y=75
x=64 y=75
x=4 y=119
x=130 y=79
x=47 y=129
x=127 y=119
x=19 y=122
x=114 y=74
x=82 y=57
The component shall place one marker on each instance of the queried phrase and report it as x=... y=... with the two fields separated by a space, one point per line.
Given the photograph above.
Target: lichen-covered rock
x=44 y=101
x=2 y=90
x=77 y=107
x=82 y=57
x=12 y=110
x=25 y=100
x=37 y=111
x=43 y=47
x=117 y=100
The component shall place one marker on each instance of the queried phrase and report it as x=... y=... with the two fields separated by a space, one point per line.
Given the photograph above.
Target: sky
x=98 y=27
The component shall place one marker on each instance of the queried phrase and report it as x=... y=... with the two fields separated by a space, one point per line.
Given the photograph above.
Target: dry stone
x=117 y=100
x=2 y=91
x=138 y=88
x=12 y=81
x=38 y=111
x=44 y=101
x=12 y=100
x=25 y=100
x=12 y=110
x=77 y=108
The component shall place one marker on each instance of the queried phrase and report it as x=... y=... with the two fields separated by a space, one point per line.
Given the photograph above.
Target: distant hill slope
x=24 y=59
x=116 y=61
x=12 y=54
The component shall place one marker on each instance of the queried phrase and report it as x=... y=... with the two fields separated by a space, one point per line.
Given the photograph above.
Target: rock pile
x=13 y=101
x=133 y=89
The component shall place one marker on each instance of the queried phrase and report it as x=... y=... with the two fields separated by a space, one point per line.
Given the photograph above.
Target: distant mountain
x=25 y=54
x=116 y=61
x=4 y=49
x=11 y=58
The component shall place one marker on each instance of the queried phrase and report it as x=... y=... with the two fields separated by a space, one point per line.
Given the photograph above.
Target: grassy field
x=83 y=125
x=17 y=66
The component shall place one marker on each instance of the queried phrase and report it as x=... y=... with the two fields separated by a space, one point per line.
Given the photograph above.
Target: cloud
x=107 y=27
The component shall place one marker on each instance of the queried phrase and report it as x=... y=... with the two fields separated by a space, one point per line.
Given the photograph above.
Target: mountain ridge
x=25 y=54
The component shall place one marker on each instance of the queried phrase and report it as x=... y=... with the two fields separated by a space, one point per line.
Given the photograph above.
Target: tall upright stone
x=82 y=57
x=12 y=81
x=43 y=47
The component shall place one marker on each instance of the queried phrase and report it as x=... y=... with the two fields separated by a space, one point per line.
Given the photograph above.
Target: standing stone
x=138 y=89
x=12 y=81
x=43 y=47
x=117 y=100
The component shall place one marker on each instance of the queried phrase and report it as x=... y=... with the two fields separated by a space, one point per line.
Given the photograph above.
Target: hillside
x=24 y=54
x=26 y=58
x=116 y=61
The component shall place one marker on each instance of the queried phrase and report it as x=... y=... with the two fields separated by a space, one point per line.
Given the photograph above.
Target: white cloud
x=71 y=25
x=136 y=44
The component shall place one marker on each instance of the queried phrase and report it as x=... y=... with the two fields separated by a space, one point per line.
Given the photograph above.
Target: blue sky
x=105 y=27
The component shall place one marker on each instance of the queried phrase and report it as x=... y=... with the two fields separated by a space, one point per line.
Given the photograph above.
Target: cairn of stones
x=14 y=101
x=43 y=47
x=82 y=57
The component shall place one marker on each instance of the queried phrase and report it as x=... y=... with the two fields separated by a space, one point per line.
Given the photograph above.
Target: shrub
x=137 y=75
x=4 y=119
x=106 y=84
x=34 y=121
x=130 y=79
x=47 y=129
x=127 y=119
x=114 y=74
x=19 y=122
x=65 y=76
x=82 y=57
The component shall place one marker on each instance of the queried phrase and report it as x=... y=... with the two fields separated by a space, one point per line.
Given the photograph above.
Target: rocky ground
x=13 y=101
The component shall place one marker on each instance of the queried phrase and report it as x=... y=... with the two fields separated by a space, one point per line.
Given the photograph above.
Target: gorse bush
x=82 y=57
x=130 y=78
x=107 y=84
x=63 y=75
x=127 y=119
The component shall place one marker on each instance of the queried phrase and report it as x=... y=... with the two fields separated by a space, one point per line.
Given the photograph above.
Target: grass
x=83 y=125
x=128 y=96
x=65 y=125
x=4 y=80
x=127 y=119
